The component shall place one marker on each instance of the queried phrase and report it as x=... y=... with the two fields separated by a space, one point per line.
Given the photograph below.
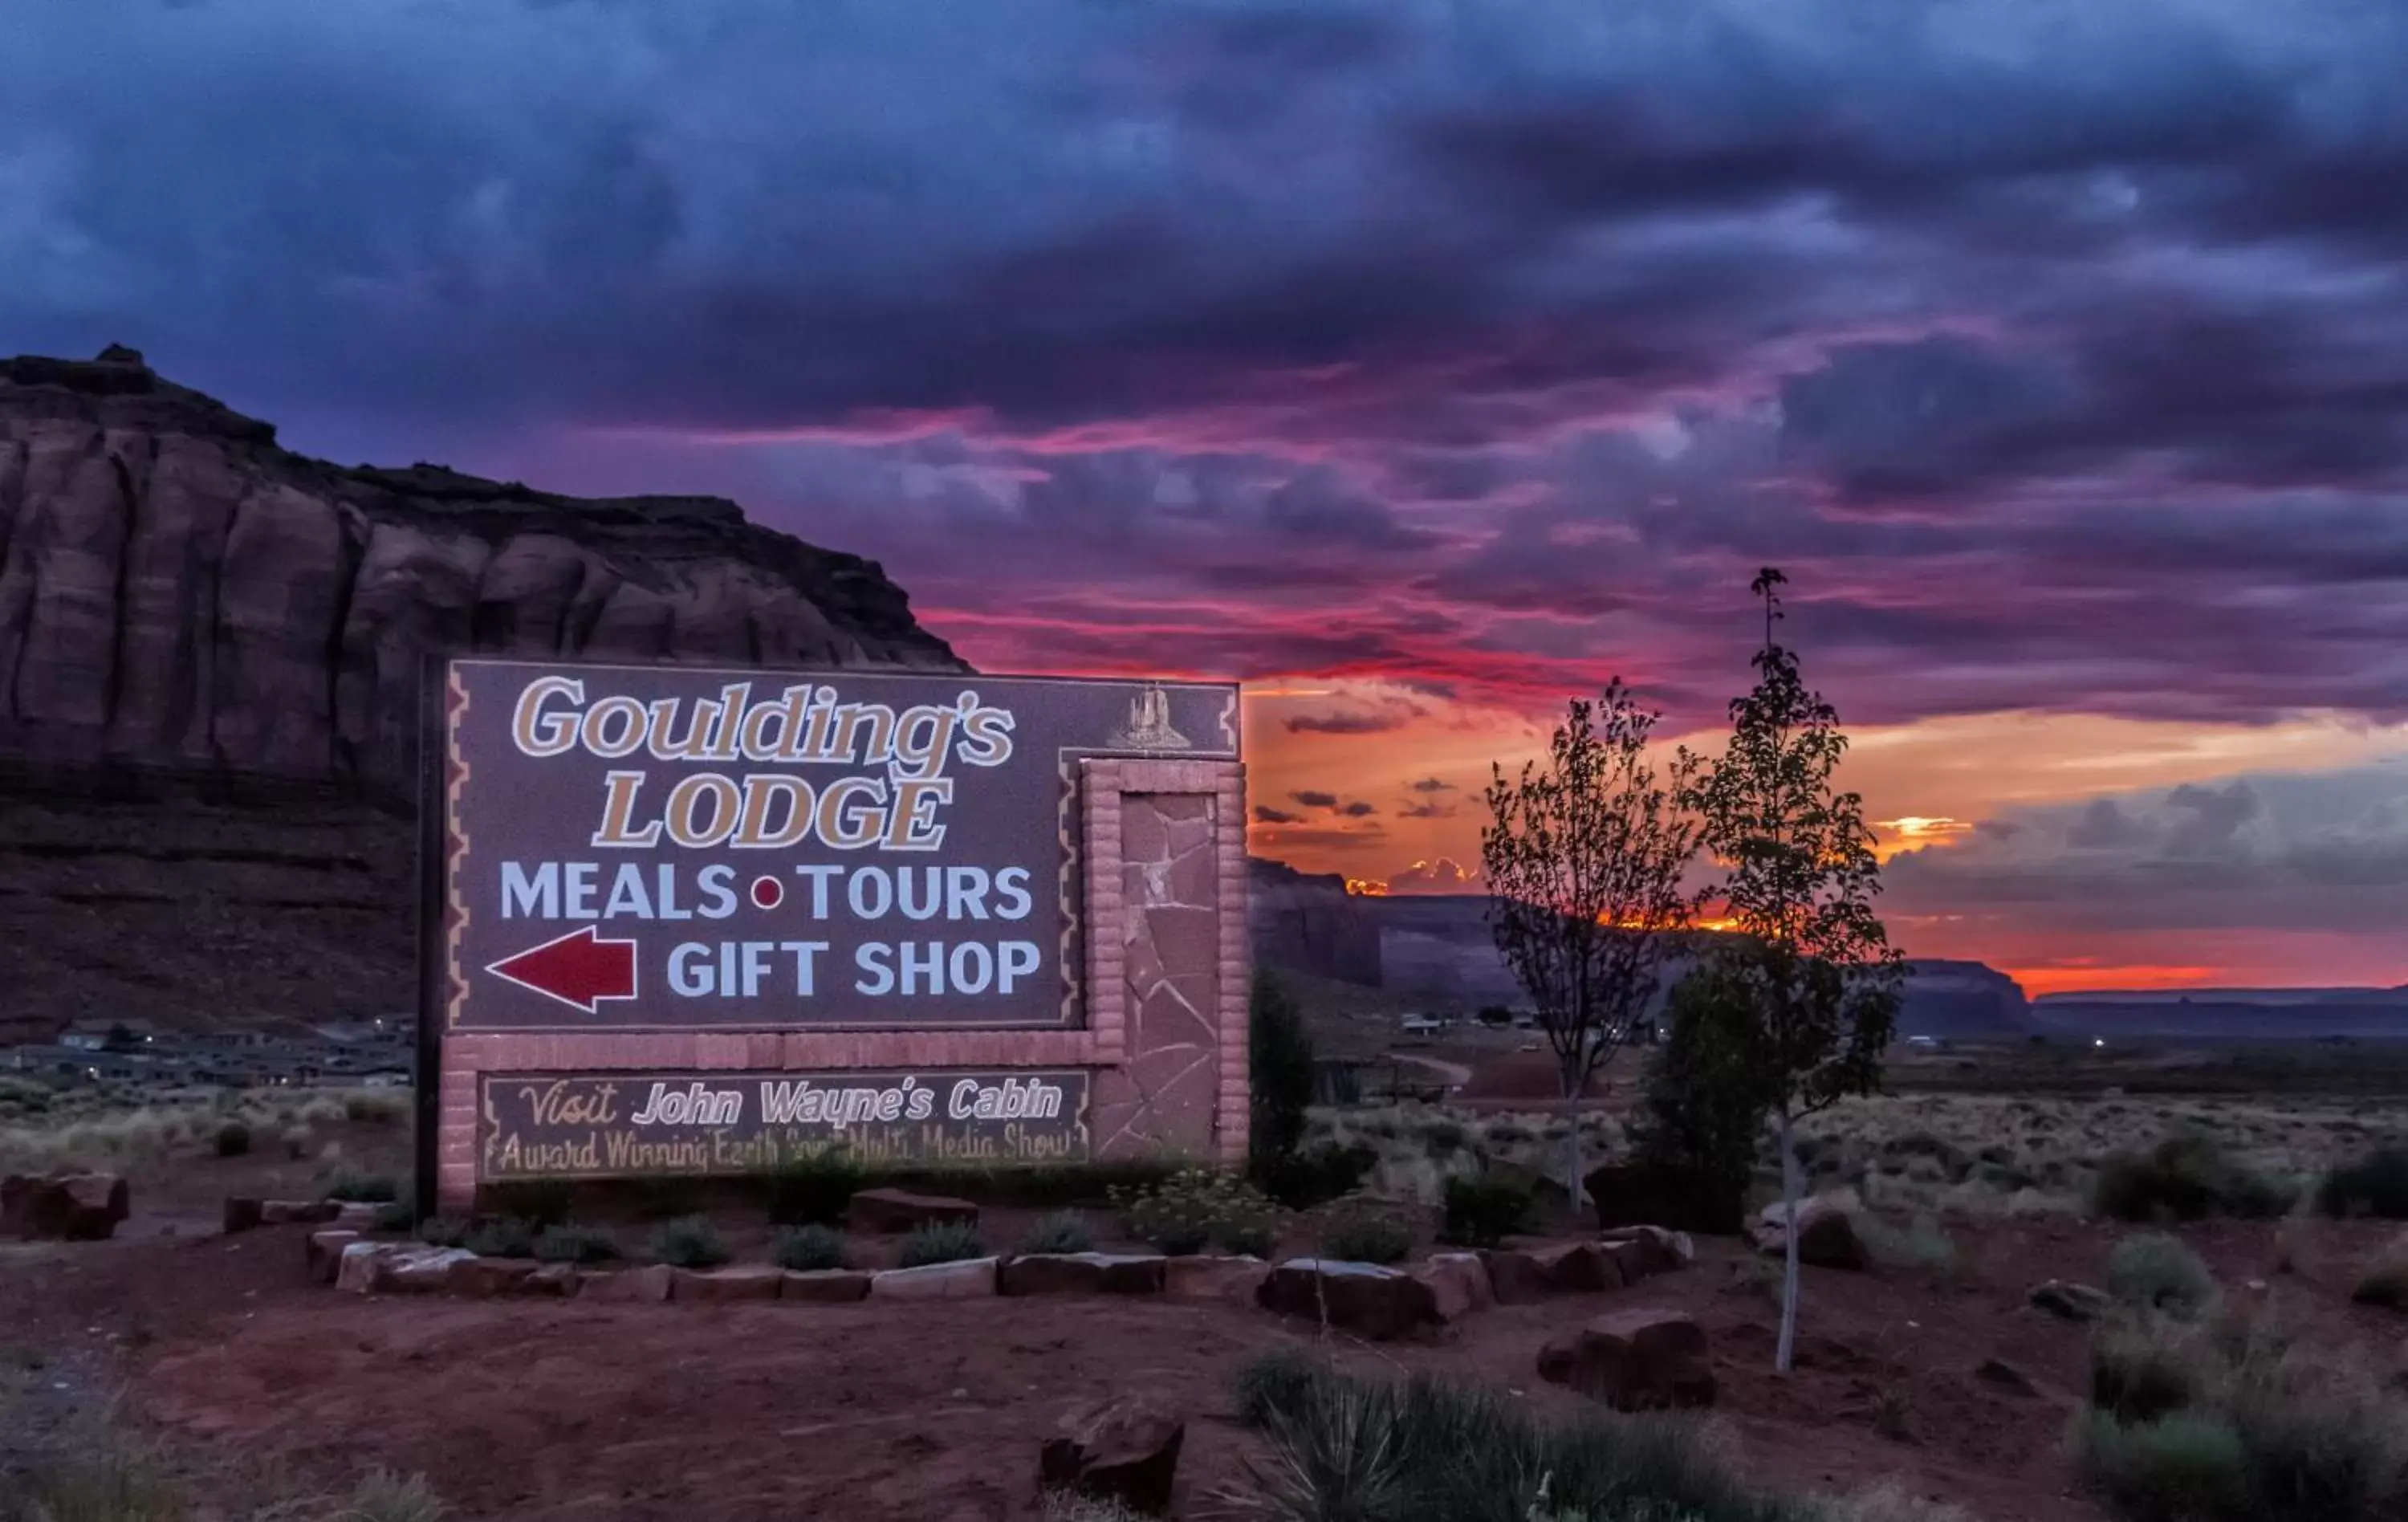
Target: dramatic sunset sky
x=1421 y=362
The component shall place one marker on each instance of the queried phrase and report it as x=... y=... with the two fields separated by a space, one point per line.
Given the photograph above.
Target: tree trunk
x=1575 y=1183
x=1788 y=1348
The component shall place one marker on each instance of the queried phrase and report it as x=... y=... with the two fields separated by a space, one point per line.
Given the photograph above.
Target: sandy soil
x=551 y=1412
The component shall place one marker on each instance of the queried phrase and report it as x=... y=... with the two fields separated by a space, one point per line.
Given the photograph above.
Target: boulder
x=1458 y=1284
x=649 y=1283
x=2000 y=1374
x=1578 y=1268
x=1646 y=1251
x=376 y=1268
x=323 y=1254
x=1365 y=1299
x=899 y=1209
x=243 y=1214
x=484 y=1278
x=1082 y=1274
x=823 y=1287
x=750 y=1281
x=2070 y=1301
x=962 y=1281
x=1826 y=1235
x=65 y=1207
x=1209 y=1278
x=557 y=1280
x=298 y=1212
x=357 y=1214
x=1123 y=1449
x=1634 y=1194
x=1515 y=1276
x=1634 y=1360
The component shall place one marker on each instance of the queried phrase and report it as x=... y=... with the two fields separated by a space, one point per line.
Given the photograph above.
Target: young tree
x=1583 y=858
x=1818 y=978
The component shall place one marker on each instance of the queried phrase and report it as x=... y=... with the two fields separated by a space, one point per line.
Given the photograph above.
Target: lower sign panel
x=555 y=1126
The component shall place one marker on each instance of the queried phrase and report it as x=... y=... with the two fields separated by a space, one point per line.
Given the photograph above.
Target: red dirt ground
x=551 y=1412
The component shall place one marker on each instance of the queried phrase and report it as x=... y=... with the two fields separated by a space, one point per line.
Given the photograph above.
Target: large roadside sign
x=629 y=848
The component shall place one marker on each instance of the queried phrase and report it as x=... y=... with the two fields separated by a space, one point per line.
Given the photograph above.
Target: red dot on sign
x=766 y=892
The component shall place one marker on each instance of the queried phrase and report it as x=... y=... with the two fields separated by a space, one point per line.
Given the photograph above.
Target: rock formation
x=178 y=593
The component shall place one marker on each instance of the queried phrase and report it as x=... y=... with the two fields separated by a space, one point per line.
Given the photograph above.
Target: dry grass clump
x=2384 y=1280
x=91 y=1133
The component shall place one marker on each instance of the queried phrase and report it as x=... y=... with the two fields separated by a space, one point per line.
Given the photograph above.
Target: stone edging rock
x=1368 y=1300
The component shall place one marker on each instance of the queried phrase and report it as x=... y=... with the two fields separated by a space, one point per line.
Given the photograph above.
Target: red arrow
x=580 y=968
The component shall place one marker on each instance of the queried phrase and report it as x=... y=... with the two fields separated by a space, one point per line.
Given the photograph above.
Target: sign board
x=657 y=848
x=681 y=920
x=620 y=1125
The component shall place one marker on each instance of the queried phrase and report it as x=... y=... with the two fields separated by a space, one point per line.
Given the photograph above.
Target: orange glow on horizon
x=2079 y=977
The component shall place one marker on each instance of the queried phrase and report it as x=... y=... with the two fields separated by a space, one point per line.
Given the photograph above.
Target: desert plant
x=295 y=1142
x=2142 y=1368
x=1702 y=1118
x=564 y=1244
x=2375 y=1185
x=1482 y=1213
x=814 y=1189
x=233 y=1140
x=808 y=1249
x=689 y=1242
x=1191 y=1209
x=1584 y=856
x=2184 y=1178
x=385 y=1496
x=503 y=1236
x=1064 y=1231
x=2384 y=1281
x=369 y=1188
x=371 y=1107
x=2181 y=1467
x=1924 y=1245
x=444 y=1232
x=2154 y=1271
x=395 y=1215
x=940 y=1241
x=1365 y=1231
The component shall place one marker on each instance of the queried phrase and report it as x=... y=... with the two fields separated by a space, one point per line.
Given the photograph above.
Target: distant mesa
x=181 y=595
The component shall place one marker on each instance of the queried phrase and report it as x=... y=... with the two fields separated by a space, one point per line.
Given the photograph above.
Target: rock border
x=1373 y=1300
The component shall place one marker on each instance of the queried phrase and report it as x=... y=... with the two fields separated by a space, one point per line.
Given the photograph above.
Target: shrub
x=2375 y=1185
x=814 y=1189
x=2184 y=1178
x=504 y=1236
x=1064 y=1231
x=295 y=1142
x=2158 y=1272
x=2177 y=1467
x=1191 y=1209
x=941 y=1241
x=370 y=1107
x=2384 y=1281
x=807 y=1249
x=395 y=1215
x=689 y=1242
x=2248 y=1423
x=384 y=1495
x=443 y=1232
x=1925 y=1246
x=1482 y=1213
x=233 y=1139
x=543 y=1201
x=370 y=1188
x=1253 y=1238
x=1317 y=1174
x=1363 y=1231
x=1280 y=1072
x=562 y=1244
x=1425 y=1449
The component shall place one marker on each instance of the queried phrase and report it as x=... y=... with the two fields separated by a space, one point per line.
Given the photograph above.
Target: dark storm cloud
x=1345 y=724
x=2061 y=357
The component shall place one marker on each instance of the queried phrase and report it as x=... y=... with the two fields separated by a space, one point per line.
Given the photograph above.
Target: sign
x=618 y=1125
x=674 y=848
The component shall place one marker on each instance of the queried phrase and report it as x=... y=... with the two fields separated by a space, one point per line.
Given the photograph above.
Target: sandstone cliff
x=179 y=593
